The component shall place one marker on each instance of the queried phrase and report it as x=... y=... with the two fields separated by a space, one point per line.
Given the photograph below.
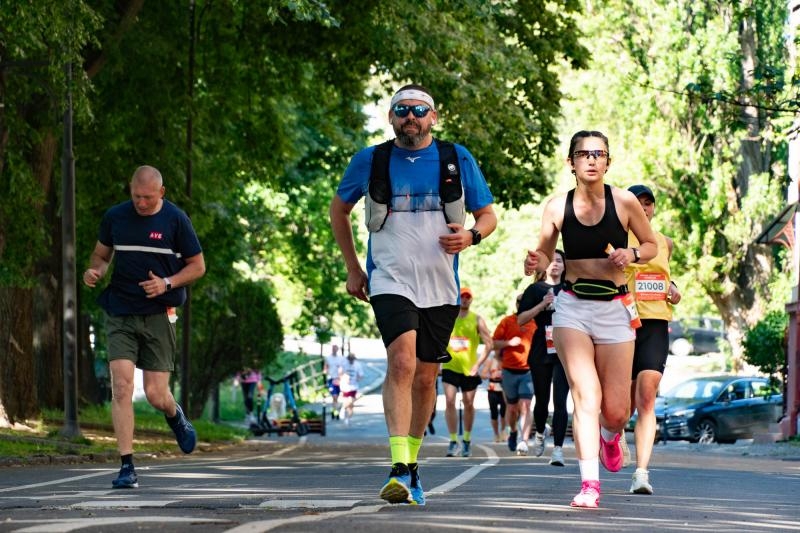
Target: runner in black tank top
x=594 y=339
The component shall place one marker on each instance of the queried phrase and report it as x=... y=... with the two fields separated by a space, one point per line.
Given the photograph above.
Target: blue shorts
x=333 y=388
x=517 y=386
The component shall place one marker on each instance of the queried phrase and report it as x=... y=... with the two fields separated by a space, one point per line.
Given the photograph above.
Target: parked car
x=720 y=408
x=696 y=335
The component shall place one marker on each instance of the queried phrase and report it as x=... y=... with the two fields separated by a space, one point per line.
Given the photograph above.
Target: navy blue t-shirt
x=159 y=243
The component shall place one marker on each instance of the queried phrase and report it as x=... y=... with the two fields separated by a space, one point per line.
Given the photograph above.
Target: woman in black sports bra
x=593 y=324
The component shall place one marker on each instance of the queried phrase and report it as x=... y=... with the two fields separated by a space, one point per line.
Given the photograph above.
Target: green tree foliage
x=274 y=94
x=765 y=343
x=240 y=330
x=36 y=43
x=686 y=91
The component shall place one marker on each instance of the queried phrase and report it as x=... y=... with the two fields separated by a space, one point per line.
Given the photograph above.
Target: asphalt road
x=330 y=483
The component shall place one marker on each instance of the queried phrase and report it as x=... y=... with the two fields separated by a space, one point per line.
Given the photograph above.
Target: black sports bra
x=590 y=242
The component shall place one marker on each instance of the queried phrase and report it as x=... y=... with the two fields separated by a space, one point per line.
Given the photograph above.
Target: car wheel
x=681 y=347
x=706 y=432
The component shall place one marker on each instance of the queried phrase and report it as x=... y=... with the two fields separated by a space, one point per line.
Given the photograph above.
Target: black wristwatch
x=168 y=285
x=476 y=236
x=636 y=255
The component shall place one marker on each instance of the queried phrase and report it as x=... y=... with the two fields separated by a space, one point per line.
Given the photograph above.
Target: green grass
x=151 y=434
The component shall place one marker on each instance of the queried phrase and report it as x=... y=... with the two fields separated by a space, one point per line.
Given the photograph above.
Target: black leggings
x=497 y=404
x=543 y=375
x=249 y=391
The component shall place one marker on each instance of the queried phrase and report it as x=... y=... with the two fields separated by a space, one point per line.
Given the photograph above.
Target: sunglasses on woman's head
x=419 y=110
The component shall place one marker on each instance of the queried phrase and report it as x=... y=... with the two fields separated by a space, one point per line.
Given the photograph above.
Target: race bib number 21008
x=651 y=287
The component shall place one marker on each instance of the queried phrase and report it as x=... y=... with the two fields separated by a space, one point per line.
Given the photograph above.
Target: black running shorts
x=396 y=315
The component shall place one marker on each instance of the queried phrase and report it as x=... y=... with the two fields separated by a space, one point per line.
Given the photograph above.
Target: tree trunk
x=47 y=308
x=17 y=393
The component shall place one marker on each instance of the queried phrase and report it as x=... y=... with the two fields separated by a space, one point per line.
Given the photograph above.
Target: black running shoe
x=185 y=435
x=126 y=479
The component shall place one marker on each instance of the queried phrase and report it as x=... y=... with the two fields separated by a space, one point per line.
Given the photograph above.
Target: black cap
x=642 y=190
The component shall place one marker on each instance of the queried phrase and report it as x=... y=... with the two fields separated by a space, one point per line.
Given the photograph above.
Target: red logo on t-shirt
x=156 y=235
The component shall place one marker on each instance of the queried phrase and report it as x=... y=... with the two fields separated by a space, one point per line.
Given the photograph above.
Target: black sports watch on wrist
x=167 y=284
x=476 y=236
x=636 y=255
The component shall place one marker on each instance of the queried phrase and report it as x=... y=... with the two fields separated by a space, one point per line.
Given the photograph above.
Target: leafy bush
x=765 y=343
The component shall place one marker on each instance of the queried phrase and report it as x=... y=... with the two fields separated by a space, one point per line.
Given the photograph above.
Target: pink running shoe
x=589 y=496
x=611 y=454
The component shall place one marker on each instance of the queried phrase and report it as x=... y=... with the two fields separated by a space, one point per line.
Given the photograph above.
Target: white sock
x=607 y=435
x=590 y=469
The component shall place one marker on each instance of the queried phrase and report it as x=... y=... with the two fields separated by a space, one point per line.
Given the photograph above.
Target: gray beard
x=410 y=141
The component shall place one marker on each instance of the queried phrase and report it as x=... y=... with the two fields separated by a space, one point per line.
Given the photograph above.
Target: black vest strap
x=380 y=186
x=379 y=198
x=449 y=173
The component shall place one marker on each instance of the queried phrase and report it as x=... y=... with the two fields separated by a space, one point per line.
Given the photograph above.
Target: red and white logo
x=156 y=235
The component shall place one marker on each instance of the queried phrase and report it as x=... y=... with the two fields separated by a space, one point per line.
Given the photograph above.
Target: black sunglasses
x=419 y=110
x=586 y=154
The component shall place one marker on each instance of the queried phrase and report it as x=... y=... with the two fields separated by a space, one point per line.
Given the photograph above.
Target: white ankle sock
x=607 y=435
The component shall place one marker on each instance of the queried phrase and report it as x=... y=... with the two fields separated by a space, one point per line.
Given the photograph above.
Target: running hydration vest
x=379 y=196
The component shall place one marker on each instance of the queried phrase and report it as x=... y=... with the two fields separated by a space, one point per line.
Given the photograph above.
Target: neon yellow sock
x=467 y=435
x=414 y=445
x=453 y=437
x=399 y=447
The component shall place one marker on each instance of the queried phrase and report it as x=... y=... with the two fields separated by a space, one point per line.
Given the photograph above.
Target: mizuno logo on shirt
x=413 y=159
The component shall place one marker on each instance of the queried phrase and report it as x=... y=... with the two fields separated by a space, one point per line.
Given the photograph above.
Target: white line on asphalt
x=74 y=524
x=267 y=525
x=104 y=472
x=468 y=474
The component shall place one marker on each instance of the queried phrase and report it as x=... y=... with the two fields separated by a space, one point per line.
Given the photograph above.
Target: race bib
x=548 y=339
x=459 y=344
x=651 y=287
x=633 y=312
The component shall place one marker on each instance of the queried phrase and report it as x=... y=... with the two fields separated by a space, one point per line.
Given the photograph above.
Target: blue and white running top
x=405 y=258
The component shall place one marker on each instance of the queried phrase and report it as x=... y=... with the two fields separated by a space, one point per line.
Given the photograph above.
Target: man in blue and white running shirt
x=156 y=255
x=412 y=278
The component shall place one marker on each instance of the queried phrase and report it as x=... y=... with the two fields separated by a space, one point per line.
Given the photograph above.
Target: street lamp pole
x=69 y=286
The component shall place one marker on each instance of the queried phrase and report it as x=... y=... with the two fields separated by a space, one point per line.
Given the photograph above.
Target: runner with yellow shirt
x=461 y=372
x=655 y=295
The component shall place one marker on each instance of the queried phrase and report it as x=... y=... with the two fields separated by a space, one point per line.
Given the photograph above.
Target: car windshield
x=696 y=389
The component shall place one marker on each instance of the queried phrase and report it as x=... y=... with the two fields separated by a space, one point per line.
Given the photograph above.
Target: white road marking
x=105 y=472
x=468 y=474
x=268 y=525
x=306 y=504
x=116 y=504
x=67 y=525
x=74 y=524
x=78 y=494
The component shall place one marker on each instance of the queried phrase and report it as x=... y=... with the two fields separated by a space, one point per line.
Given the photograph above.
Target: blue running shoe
x=512 y=441
x=417 y=494
x=185 y=435
x=126 y=479
x=395 y=490
x=452 y=449
x=465 y=449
